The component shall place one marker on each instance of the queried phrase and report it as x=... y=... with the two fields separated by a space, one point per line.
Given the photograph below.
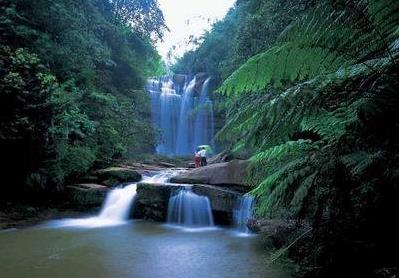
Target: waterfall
x=115 y=210
x=185 y=124
x=204 y=121
x=117 y=206
x=182 y=113
x=162 y=176
x=243 y=211
x=189 y=209
x=165 y=102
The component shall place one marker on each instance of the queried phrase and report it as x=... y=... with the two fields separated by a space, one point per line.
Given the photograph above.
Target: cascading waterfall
x=118 y=203
x=185 y=123
x=183 y=114
x=165 y=103
x=162 y=176
x=189 y=209
x=204 y=118
x=243 y=211
x=116 y=208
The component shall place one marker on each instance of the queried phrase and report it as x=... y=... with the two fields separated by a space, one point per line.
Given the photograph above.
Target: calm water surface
x=138 y=249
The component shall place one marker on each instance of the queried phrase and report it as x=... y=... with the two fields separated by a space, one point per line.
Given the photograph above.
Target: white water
x=190 y=210
x=243 y=211
x=162 y=176
x=116 y=208
x=185 y=119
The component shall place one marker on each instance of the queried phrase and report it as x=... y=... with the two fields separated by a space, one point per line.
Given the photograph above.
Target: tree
x=71 y=82
x=310 y=107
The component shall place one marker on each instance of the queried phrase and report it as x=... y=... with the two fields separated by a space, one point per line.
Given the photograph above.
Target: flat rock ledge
x=228 y=174
x=86 y=194
x=152 y=200
x=113 y=176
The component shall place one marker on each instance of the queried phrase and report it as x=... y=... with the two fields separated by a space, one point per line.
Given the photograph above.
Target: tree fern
x=323 y=42
x=323 y=75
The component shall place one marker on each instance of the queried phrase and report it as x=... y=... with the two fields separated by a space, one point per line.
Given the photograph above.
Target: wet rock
x=200 y=79
x=278 y=231
x=152 y=200
x=116 y=175
x=230 y=173
x=221 y=157
x=166 y=164
x=179 y=79
x=86 y=194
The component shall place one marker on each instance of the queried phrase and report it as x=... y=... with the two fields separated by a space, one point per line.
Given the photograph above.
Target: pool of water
x=138 y=249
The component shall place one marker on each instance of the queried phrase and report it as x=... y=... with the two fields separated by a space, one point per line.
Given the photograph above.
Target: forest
x=72 y=93
x=303 y=93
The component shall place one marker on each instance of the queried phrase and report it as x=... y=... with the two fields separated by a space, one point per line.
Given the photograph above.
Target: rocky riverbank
x=21 y=215
x=222 y=183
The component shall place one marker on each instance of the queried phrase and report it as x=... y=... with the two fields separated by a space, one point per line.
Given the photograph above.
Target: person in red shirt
x=197 y=158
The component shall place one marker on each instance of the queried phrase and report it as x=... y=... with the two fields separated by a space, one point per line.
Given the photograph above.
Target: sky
x=185 y=18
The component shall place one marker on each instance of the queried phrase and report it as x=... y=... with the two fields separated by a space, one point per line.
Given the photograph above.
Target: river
x=137 y=249
x=111 y=245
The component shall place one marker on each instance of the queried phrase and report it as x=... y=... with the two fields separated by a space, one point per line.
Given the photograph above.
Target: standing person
x=202 y=153
x=197 y=158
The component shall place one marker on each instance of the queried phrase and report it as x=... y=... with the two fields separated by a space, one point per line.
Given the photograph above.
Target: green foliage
x=326 y=40
x=318 y=109
x=71 y=74
x=144 y=16
x=252 y=27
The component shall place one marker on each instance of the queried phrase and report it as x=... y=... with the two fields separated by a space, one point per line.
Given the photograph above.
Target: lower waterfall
x=189 y=209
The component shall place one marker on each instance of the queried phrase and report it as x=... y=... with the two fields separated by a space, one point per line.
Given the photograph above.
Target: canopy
x=208 y=148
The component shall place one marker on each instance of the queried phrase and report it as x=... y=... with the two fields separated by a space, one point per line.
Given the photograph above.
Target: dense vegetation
x=71 y=86
x=316 y=104
x=246 y=30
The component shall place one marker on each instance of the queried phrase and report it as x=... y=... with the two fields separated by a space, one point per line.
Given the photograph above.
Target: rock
x=152 y=200
x=166 y=164
x=88 y=179
x=220 y=157
x=228 y=173
x=226 y=156
x=86 y=194
x=200 y=79
x=179 y=79
x=278 y=231
x=115 y=175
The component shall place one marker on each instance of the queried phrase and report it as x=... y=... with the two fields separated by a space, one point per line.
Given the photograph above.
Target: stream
x=111 y=245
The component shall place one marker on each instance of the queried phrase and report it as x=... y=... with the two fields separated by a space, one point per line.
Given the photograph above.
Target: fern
x=323 y=42
x=321 y=77
x=359 y=162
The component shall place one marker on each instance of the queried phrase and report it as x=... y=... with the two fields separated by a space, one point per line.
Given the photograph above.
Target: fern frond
x=322 y=42
x=359 y=162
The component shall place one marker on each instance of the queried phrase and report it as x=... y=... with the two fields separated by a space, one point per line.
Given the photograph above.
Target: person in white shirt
x=202 y=154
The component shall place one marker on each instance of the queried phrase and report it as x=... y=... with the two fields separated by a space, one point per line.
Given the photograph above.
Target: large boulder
x=152 y=200
x=230 y=173
x=116 y=175
x=86 y=194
